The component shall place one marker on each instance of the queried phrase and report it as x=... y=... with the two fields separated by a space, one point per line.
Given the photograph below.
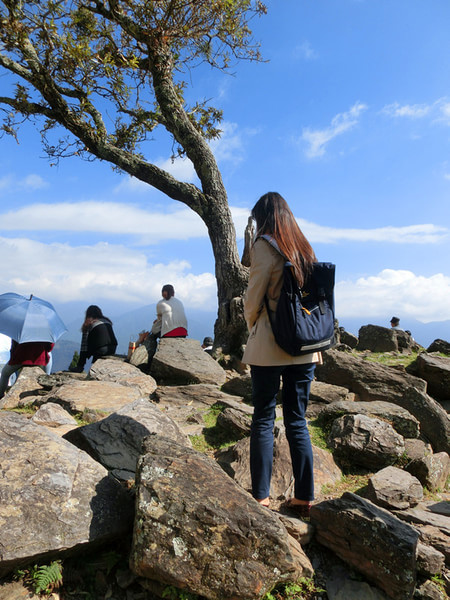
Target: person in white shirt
x=170 y=316
x=170 y=322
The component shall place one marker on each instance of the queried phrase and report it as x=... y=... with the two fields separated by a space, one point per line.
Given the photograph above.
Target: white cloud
x=151 y=227
x=230 y=145
x=31 y=182
x=305 y=51
x=412 y=111
x=62 y=273
x=317 y=139
x=422 y=298
x=106 y=217
x=410 y=234
x=438 y=111
x=180 y=168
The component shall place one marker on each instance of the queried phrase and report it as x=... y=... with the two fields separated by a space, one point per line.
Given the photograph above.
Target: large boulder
x=372 y=381
x=102 y=397
x=347 y=338
x=394 y=488
x=53 y=415
x=439 y=346
x=371 y=540
x=53 y=497
x=436 y=372
x=197 y=530
x=25 y=390
x=377 y=339
x=432 y=471
x=186 y=404
x=361 y=440
x=322 y=394
x=116 y=440
x=118 y=371
x=180 y=361
x=401 y=420
x=433 y=526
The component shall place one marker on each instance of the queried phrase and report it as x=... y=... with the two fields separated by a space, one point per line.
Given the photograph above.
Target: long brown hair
x=274 y=217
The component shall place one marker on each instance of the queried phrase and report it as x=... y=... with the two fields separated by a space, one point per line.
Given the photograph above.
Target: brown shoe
x=301 y=510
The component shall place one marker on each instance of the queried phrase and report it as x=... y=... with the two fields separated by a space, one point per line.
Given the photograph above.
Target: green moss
x=349 y=482
x=213 y=437
x=389 y=359
x=28 y=409
x=318 y=435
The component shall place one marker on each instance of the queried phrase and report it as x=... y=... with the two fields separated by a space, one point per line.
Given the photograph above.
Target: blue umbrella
x=29 y=319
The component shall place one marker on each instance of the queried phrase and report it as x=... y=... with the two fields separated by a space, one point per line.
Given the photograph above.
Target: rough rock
x=401 y=420
x=180 y=361
x=116 y=441
x=48 y=382
x=435 y=370
x=371 y=381
x=236 y=462
x=439 y=346
x=347 y=338
x=425 y=515
x=239 y=386
x=432 y=471
x=377 y=339
x=428 y=590
x=434 y=528
x=186 y=404
x=415 y=448
x=322 y=394
x=364 y=441
x=104 y=397
x=118 y=371
x=300 y=530
x=438 y=539
x=139 y=358
x=53 y=497
x=394 y=488
x=371 y=540
x=25 y=390
x=196 y=529
x=16 y=590
x=235 y=422
x=53 y=415
x=429 y=560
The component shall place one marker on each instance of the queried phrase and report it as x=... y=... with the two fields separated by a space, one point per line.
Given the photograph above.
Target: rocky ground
x=365 y=412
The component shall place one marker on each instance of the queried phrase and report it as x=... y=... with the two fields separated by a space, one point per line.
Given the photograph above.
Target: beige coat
x=266 y=277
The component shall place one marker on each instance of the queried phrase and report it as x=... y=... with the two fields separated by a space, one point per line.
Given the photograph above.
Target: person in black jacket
x=98 y=337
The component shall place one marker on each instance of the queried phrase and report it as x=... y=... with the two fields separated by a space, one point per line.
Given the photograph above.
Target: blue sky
x=349 y=120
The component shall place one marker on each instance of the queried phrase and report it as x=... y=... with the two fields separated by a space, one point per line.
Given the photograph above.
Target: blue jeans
x=295 y=395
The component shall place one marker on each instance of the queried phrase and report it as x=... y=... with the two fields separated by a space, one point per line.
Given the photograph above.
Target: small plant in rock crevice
x=303 y=589
x=42 y=579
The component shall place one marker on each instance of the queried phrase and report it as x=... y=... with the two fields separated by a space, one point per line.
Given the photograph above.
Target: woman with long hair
x=269 y=362
x=97 y=337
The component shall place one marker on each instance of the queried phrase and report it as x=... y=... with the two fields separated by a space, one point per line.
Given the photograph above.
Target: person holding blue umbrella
x=29 y=354
x=34 y=327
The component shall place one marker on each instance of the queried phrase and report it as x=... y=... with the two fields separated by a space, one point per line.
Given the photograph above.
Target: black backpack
x=304 y=318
